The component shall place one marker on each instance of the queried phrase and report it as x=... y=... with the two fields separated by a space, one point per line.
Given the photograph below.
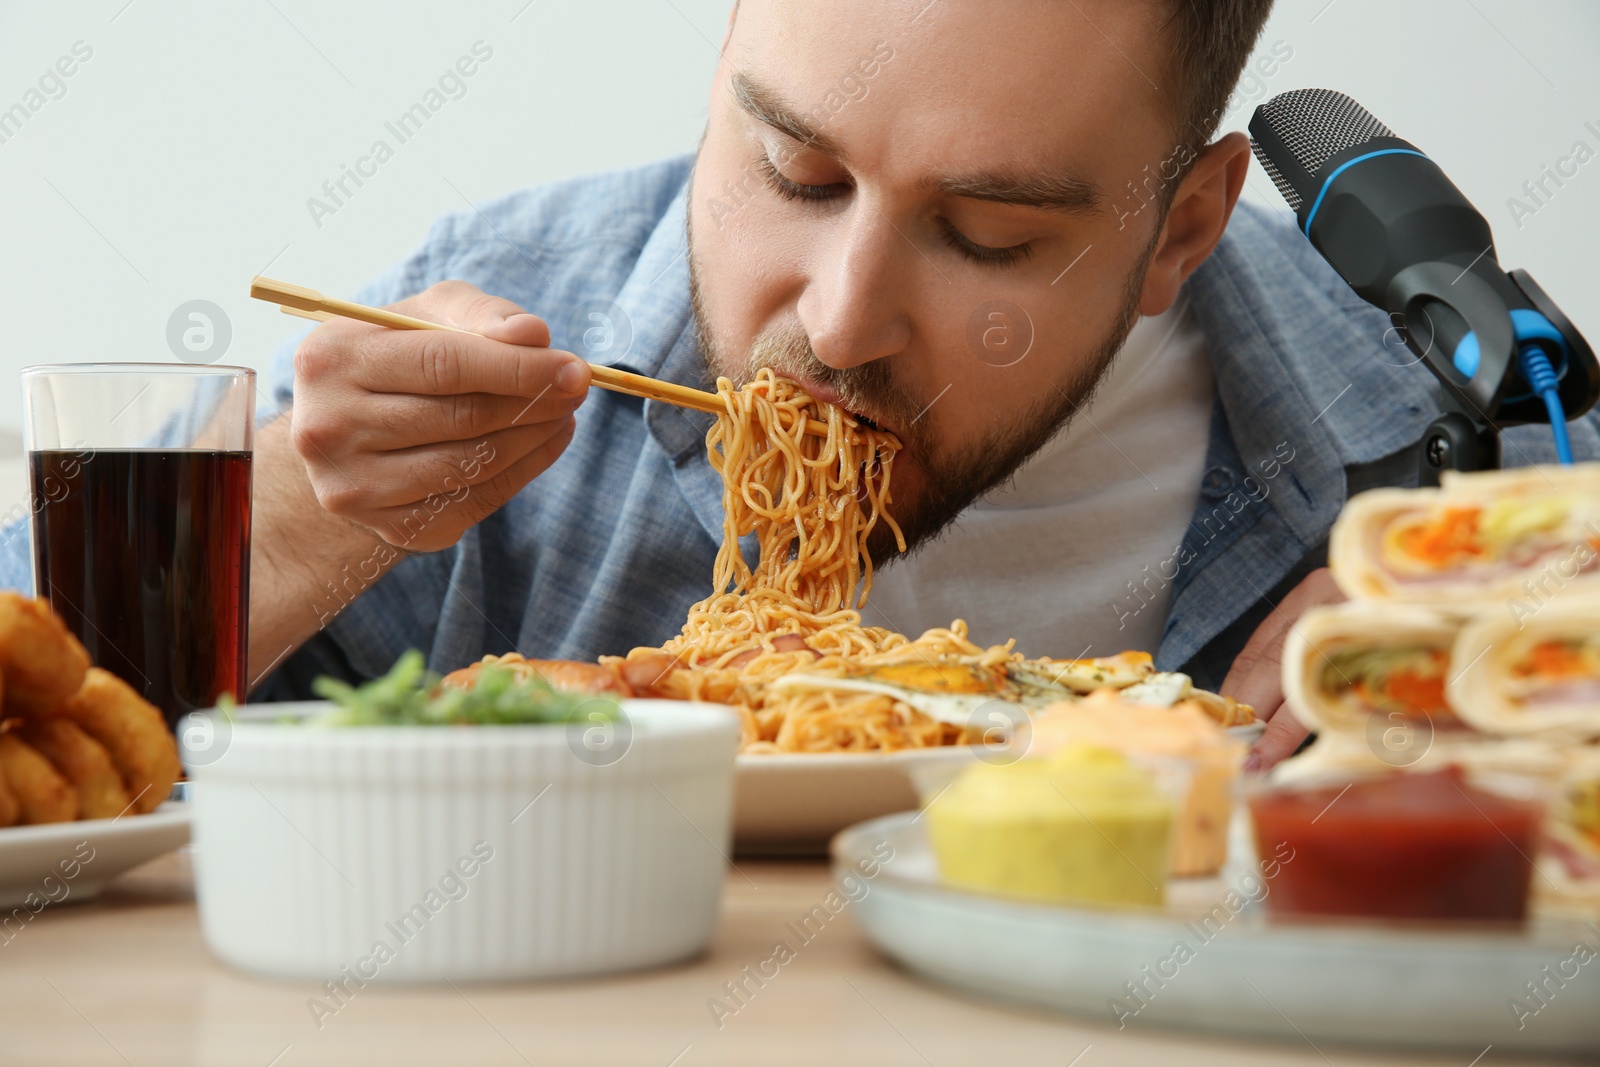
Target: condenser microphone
x=1386 y=217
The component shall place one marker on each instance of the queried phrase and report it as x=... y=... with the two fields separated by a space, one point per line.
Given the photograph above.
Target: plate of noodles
x=834 y=713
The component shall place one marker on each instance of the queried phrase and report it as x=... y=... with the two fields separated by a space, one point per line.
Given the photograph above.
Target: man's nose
x=854 y=305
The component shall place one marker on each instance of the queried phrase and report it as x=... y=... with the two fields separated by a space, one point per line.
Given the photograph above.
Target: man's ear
x=1196 y=220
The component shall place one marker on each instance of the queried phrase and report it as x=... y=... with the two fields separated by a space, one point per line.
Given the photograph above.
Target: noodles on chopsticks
x=801 y=494
x=811 y=500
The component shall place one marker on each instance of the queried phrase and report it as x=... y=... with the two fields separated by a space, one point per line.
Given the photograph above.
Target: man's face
x=923 y=212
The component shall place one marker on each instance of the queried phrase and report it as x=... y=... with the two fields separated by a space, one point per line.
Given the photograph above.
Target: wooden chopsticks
x=308 y=303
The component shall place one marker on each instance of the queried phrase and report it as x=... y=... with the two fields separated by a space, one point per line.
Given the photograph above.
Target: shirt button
x=1217 y=482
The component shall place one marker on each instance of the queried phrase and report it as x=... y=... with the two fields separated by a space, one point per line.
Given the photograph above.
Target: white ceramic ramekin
x=359 y=854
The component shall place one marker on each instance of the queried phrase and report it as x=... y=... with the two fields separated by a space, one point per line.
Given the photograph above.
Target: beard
x=955 y=475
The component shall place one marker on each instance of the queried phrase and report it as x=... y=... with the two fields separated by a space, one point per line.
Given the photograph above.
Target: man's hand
x=398 y=439
x=420 y=434
x=1256 y=677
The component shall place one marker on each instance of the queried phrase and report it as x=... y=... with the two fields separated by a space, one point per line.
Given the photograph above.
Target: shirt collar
x=1300 y=359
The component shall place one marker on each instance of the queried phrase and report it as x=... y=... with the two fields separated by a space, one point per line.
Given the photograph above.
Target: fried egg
x=970 y=693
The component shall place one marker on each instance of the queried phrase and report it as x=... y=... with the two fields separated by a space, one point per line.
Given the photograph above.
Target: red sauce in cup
x=1403 y=846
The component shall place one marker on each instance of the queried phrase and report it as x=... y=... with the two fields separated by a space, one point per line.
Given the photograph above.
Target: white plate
x=1367 y=983
x=1249 y=732
x=795 y=803
x=71 y=861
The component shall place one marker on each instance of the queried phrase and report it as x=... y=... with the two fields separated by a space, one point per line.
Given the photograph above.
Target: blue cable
x=1542 y=377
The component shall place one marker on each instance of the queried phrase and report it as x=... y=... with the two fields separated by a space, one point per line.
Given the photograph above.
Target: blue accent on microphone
x=1467 y=355
x=1346 y=166
x=1530 y=328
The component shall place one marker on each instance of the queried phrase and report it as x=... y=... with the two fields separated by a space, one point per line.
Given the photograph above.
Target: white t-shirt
x=1058 y=558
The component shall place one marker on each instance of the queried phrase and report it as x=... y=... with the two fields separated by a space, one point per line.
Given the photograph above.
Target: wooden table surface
x=127 y=980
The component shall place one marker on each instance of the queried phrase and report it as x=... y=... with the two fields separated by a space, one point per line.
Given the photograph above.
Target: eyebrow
x=766 y=106
x=1067 y=194
x=1052 y=192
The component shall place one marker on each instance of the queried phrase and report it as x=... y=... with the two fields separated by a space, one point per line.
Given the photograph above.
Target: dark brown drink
x=145 y=554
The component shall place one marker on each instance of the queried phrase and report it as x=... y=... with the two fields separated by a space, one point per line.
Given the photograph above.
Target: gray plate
x=1238 y=973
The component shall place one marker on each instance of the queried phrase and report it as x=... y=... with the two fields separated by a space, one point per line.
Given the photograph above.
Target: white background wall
x=179 y=160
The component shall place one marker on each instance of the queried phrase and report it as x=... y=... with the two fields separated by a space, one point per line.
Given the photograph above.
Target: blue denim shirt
x=612 y=544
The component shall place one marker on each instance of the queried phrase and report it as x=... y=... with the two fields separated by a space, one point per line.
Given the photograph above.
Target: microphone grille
x=1285 y=186
x=1314 y=125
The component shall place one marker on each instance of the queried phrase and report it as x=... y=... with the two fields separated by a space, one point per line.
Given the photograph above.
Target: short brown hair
x=1210 y=41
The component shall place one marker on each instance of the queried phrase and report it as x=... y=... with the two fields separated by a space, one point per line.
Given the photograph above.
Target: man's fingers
x=1244 y=664
x=403 y=478
x=493 y=494
x=394 y=421
x=523 y=329
x=429 y=525
x=466 y=307
x=1283 y=735
x=1256 y=677
x=505 y=352
x=434 y=363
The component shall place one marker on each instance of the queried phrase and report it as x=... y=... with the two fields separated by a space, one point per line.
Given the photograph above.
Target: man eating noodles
x=1005 y=231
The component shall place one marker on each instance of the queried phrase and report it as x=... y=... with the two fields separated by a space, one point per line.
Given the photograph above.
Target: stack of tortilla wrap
x=1471 y=637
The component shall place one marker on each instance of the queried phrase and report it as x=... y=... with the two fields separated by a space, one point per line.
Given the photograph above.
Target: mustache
x=869 y=389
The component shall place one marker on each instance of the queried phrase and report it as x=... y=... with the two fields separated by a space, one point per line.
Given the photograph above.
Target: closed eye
x=988 y=254
x=793 y=190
